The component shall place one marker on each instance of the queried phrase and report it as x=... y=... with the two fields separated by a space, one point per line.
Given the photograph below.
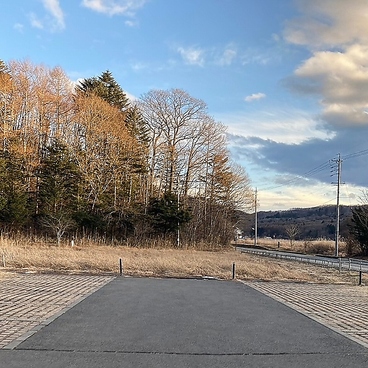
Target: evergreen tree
x=140 y=131
x=59 y=181
x=106 y=87
x=359 y=227
x=112 y=92
x=138 y=126
x=14 y=209
x=165 y=214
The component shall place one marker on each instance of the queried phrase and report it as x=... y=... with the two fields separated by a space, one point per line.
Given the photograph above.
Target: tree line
x=314 y=223
x=82 y=160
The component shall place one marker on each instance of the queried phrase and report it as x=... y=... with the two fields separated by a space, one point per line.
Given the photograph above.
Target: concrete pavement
x=183 y=323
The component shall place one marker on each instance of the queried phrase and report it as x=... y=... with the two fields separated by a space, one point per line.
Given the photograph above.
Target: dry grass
x=99 y=259
x=5 y=275
x=319 y=246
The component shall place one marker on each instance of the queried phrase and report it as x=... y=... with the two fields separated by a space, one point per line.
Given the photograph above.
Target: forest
x=312 y=223
x=79 y=159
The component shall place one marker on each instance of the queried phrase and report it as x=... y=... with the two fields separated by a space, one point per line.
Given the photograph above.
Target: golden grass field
x=24 y=256
x=319 y=246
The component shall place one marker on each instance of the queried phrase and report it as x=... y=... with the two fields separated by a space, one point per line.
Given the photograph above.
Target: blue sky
x=289 y=78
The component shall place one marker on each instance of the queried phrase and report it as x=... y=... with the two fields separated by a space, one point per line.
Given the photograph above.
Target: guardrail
x=340 y=263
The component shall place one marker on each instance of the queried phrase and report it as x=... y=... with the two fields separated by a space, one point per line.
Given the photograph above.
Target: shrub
x=318 y=247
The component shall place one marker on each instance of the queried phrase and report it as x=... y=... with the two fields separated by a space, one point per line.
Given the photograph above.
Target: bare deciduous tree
x=171 y=116
x=59 y=223
x=292 y=232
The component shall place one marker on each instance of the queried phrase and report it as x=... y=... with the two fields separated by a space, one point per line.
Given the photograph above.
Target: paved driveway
x=183 y=323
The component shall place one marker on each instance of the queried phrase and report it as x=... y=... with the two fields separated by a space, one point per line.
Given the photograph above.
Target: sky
x=288 y=78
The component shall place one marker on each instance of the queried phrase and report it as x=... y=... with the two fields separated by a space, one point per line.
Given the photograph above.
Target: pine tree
x=14 y=209
x=59 y=180
x=112 y=92
x=137 y=126
x=359 y=228
x=106 y=87
x=165 y=214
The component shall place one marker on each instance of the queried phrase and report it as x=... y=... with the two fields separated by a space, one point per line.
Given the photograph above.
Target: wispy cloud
x=228 y=56
x=114 y=7
x=137 y=66
x=19 y=27
x=131 y=23
x=257 y=56
x=288 y=125
x=53 y=7
x=192 y=55
x=35 y=21
x=53 y=22
x=196 y=55
x=254 y=97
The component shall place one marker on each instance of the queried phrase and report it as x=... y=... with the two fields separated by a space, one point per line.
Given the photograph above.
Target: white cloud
x=192 y=55
x=289 y=196
x=289 y=142
x=225 y=56
x=260 y=57
x=329 y=23
x=53 y=7
x=275 y=37
x=137 y=66
x=131 y=23
x=55 y=23
x=228 y=56
x=254 y=97
x=19 y=27
x=341 y=79
x=314 y=194
x=336 y=31
x=292 y=175
x=114 y=7
x=35 y=21
x=288 y=127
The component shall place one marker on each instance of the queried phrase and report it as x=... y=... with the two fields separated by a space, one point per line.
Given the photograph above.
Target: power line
x=301 y=177
x=316 y=170
x=356 y=154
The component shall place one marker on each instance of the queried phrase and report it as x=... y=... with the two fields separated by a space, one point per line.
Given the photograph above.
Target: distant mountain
x=313 y=223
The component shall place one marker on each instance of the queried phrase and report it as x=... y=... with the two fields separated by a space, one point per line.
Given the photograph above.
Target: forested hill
x=313 y=223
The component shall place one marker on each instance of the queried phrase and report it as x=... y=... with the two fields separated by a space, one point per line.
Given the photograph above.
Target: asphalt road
x=350 y=264
x=183 y=323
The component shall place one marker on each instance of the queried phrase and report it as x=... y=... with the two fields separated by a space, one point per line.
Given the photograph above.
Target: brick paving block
x=27 y=301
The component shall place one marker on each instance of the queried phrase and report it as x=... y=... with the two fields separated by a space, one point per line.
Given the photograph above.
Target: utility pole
x=338 y=161
x=178 y=232
x=255 y=219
